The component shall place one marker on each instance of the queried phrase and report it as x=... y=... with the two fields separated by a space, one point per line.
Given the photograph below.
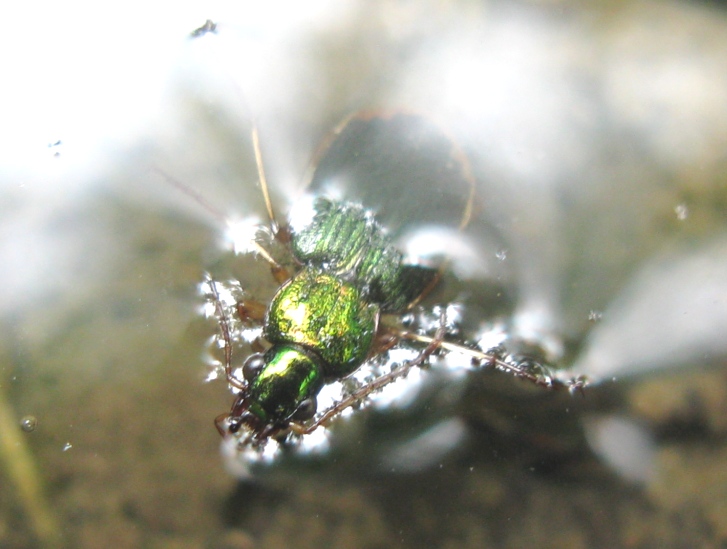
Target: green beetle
x=323 y=322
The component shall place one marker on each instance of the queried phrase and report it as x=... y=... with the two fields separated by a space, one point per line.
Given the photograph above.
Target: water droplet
x=28 y=423
x=595 y=316
x=67 y=446
x=501 y=254
x=682 y=211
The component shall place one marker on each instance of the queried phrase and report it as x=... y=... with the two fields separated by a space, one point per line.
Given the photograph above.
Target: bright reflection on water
x=687 y=293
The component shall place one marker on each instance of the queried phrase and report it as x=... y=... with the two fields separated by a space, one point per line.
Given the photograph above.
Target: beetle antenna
x=261 y=177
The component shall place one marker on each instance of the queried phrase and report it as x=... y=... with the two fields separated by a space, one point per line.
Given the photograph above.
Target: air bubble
x=28 y=423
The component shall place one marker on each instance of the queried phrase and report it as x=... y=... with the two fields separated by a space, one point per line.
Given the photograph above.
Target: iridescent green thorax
x=323 y=313
x=346 y=240
x=289 y=377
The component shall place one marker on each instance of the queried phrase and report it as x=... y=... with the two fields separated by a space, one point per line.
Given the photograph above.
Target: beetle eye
x=252 y=366
x=306 y=410
x=234 y=425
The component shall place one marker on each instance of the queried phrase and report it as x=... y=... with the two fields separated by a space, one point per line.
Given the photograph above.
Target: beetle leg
x=251 y=310
x=540 y=375
x=225 y=330
x=378 y=383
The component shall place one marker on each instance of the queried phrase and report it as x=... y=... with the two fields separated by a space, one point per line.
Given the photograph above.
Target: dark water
x=597 y=142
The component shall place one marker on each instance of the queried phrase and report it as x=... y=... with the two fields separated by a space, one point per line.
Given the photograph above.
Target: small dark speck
x=209 y=26
x=53 y=145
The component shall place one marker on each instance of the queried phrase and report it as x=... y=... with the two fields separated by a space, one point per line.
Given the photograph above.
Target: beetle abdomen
x=345 y=239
